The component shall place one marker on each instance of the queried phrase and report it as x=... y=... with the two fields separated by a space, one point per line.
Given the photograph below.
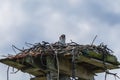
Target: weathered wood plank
x=34 y=71
x=96 y=62
x=12 y=63
x=81 y=72
x=39 y=78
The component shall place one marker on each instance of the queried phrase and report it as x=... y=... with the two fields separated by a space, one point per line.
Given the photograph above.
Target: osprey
x=62 y=39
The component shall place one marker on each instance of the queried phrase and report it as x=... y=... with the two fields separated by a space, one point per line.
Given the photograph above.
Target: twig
x=93 y=40
x=16 y=48
x=14 y=72
x=8 y=72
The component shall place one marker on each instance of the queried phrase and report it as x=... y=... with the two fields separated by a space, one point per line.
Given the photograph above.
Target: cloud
x=12 y=13
x=11 y=16
x=80 y=20
x=110 y=5
x=75 y=3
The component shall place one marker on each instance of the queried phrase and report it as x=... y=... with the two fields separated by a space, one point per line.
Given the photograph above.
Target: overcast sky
x=37 y=20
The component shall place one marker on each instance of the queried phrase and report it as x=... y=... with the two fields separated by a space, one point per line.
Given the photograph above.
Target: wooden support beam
x=95 y=62
x=28 y=69
x=81 y=72
x=12 y=63
x=38 y=78
x=34 y=71
x=51 y=74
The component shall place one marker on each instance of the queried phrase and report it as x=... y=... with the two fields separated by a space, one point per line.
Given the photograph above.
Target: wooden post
x=38 y=78
x=64 y=77
x=52 y=72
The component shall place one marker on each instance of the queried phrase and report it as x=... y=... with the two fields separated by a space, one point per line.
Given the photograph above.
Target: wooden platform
x=85 y=66
x=46 y=60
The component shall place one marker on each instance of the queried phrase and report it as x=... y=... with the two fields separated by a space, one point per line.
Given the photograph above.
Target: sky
x=35 y=21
